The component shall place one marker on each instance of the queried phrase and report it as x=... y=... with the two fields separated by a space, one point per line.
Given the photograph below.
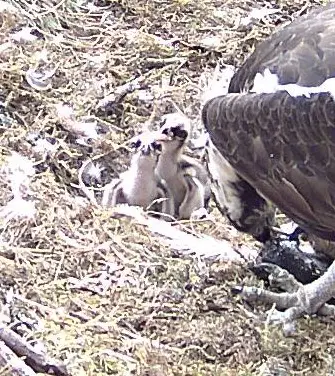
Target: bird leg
x=279 y=260
x=307 y=299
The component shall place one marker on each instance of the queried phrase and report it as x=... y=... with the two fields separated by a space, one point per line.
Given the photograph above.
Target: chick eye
x=181 y=133
x=156 y=146
x=175 y=131
x=136 y=144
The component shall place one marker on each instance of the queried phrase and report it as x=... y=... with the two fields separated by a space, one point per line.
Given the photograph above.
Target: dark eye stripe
x=176 y=131
x=136 y=144
x=156 y=146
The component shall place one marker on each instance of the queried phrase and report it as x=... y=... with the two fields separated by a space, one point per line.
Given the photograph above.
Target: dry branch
x=10 y=362
x=140 y=56
x=183 y=242
x=36 y=360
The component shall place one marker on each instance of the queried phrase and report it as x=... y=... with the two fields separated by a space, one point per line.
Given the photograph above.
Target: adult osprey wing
x=283 y=145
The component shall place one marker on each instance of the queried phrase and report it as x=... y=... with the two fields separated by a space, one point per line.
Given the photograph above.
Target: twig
x=198 y=246
x=37 y=361
x=10 y=363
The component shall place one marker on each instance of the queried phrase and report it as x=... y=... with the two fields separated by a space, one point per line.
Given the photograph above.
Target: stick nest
x=101 y=292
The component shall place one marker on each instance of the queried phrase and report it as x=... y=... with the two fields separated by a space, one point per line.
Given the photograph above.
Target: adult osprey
x=277 y=143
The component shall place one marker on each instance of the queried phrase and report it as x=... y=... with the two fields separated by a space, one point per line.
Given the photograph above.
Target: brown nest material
x=100 y=291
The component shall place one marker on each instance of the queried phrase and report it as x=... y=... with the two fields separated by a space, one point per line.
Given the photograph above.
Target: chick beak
x=161 y=137
x=146 y=150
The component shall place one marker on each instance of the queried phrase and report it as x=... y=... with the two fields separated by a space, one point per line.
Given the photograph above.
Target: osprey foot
x=306 y=299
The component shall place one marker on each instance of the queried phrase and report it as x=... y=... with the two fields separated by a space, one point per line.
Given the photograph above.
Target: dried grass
x=153 y=312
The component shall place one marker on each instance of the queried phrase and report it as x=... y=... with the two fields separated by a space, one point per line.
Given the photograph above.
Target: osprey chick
x=140 y=185
x=185 y=177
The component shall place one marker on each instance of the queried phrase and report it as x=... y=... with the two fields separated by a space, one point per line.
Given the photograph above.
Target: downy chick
x=185 y=177
x=140 y=185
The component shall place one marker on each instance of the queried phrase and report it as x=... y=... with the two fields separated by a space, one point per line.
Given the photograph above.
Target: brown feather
x=284 y=146
x=302 y=52
x=294 y=174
